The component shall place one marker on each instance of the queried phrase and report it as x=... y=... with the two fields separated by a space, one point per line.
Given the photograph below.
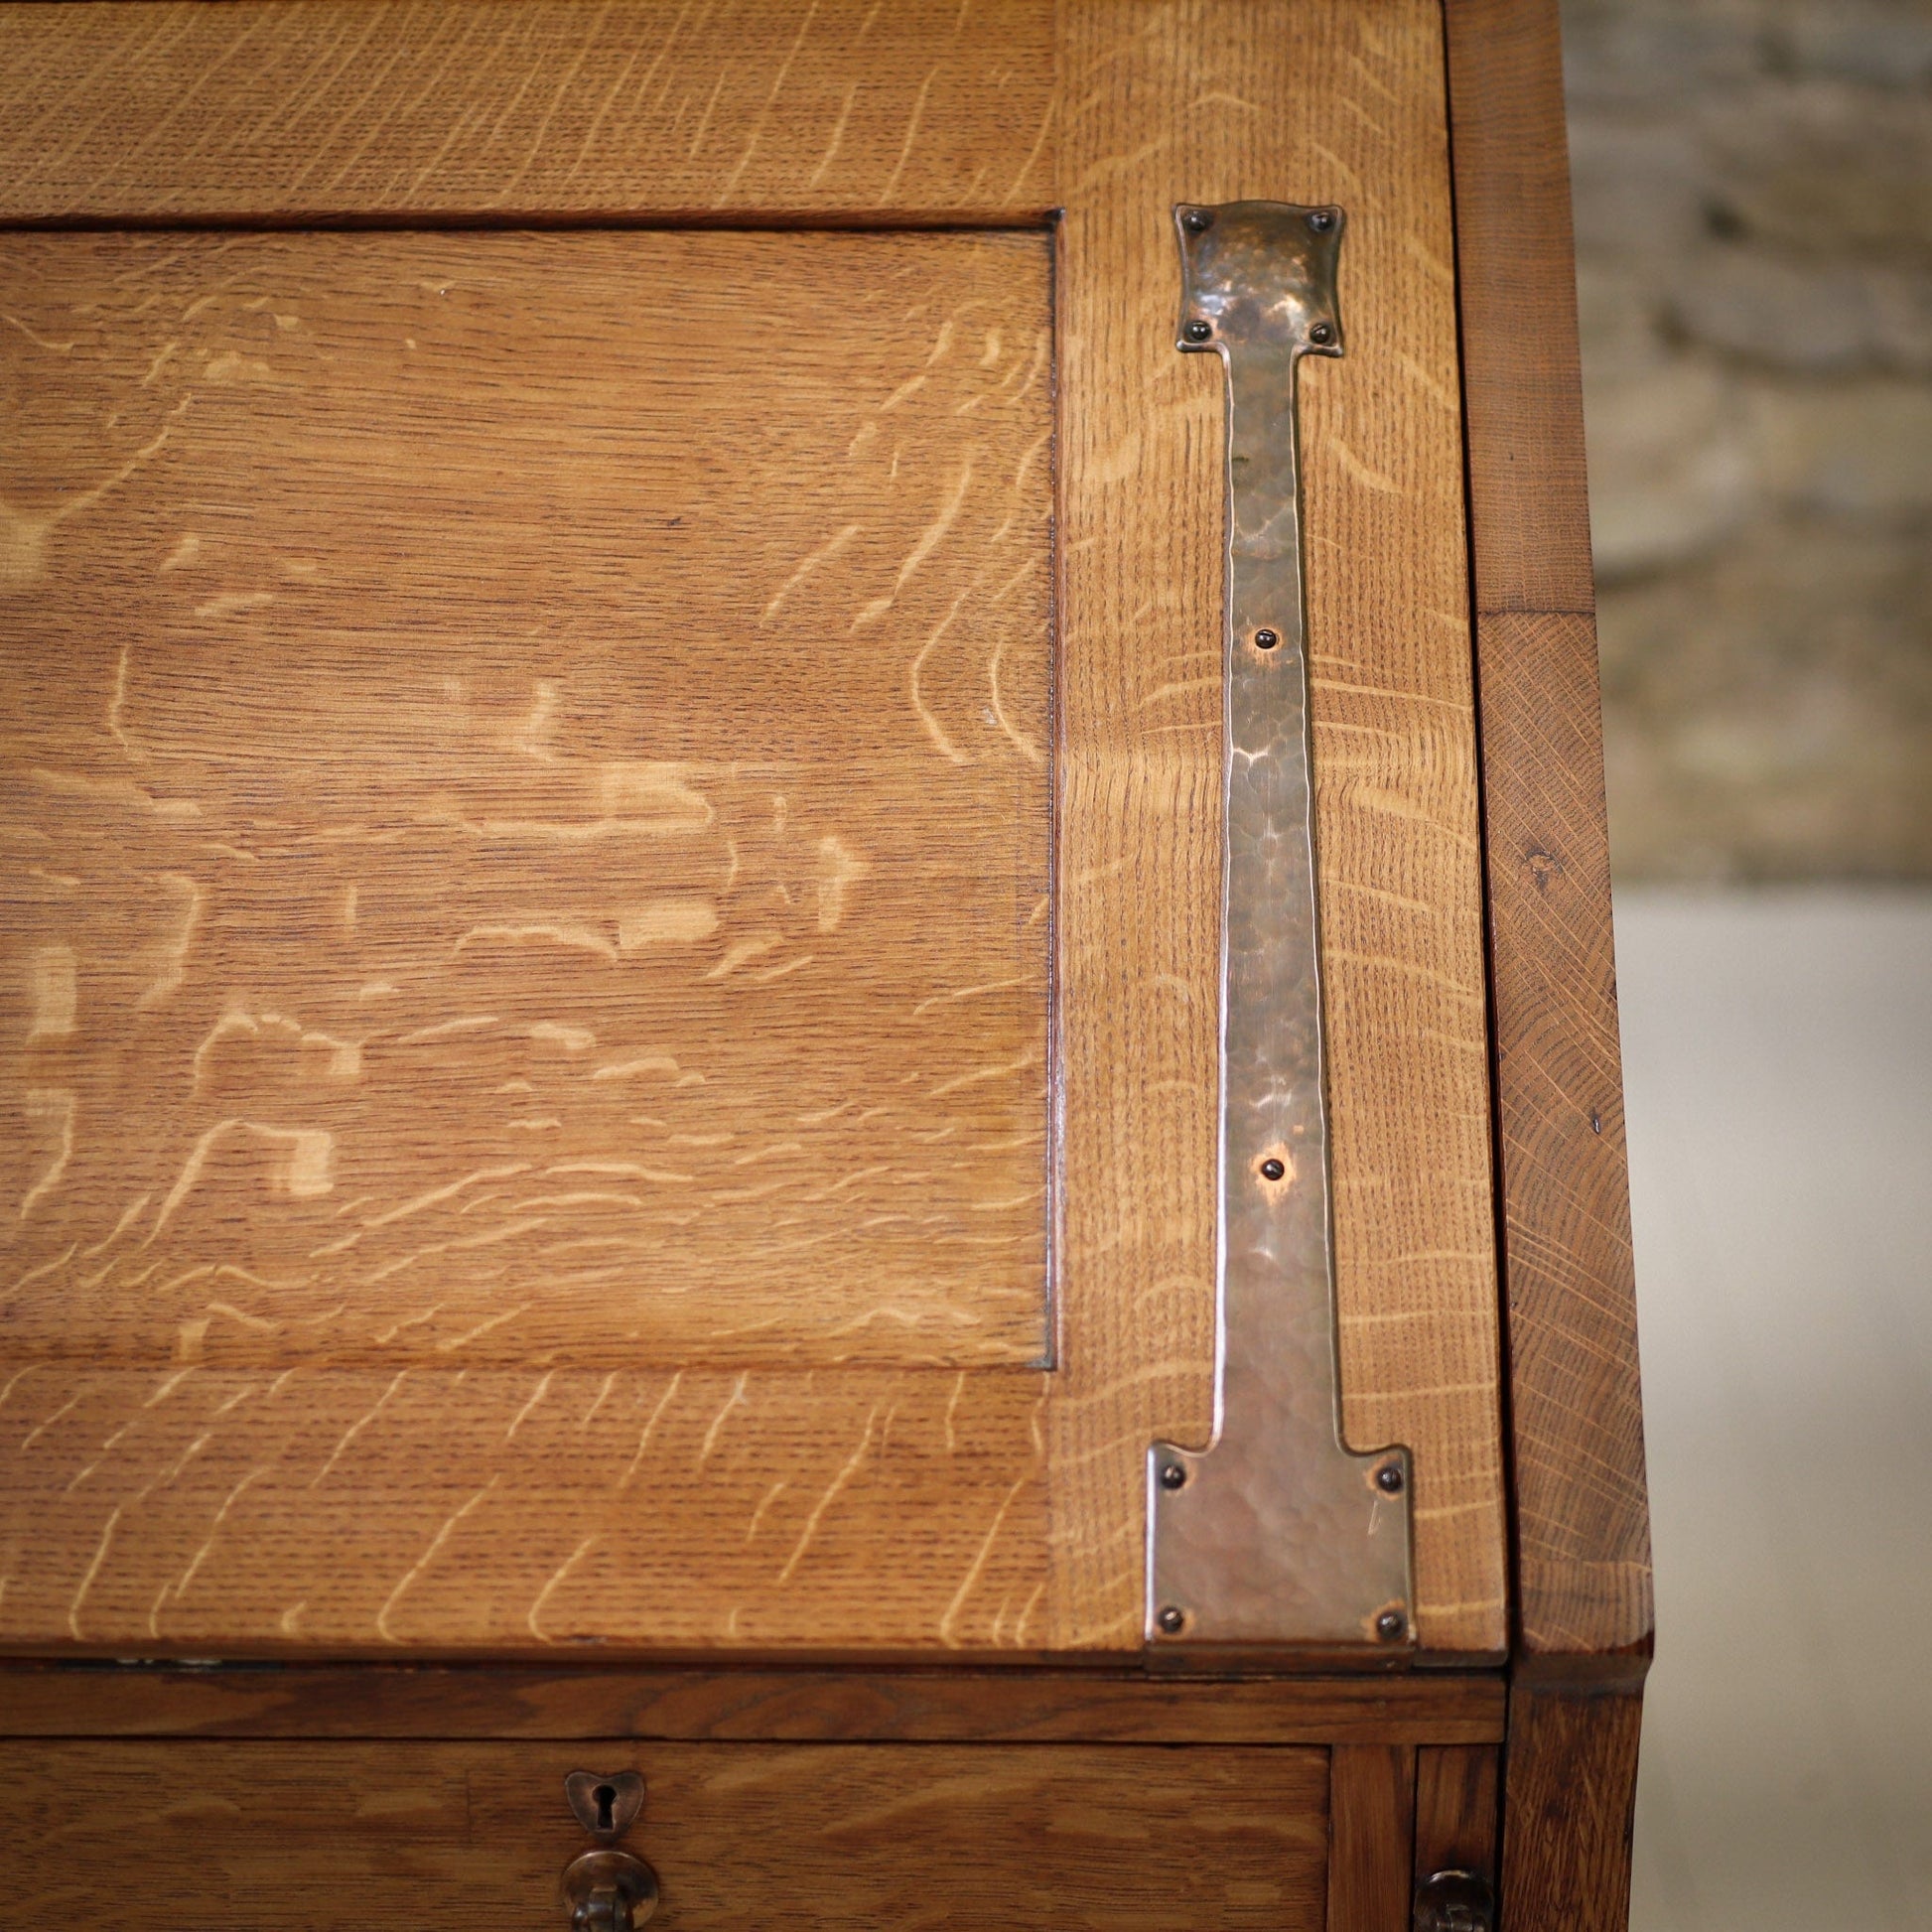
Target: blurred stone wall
x=1754 y=195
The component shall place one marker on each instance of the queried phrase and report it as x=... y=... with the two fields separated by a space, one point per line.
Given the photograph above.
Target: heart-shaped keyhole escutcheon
x=606 y=1804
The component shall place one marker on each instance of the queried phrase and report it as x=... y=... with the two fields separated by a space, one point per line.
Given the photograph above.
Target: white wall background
x=1778 y=1069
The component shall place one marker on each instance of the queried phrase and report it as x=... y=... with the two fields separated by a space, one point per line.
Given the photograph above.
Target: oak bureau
x=811 y=1109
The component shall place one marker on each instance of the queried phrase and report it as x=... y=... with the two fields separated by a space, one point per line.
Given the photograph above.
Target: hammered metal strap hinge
x=1275 y=1535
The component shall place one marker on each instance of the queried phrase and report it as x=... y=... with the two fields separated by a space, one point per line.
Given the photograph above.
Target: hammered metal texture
x=1275 y=1536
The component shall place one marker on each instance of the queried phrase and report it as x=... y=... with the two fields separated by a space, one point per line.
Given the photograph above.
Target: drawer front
x=384 y=1836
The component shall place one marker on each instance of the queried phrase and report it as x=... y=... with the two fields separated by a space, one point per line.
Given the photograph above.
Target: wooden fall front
x=613 y=642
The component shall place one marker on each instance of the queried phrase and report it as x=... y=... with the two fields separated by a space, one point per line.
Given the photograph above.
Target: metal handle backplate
x=609 y=1890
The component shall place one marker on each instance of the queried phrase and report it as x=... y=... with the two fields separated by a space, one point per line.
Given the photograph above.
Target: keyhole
x=604 y=1805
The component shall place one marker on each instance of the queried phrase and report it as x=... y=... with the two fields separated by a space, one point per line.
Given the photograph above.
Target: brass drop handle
x=609 y=1891
x=1454 y=1901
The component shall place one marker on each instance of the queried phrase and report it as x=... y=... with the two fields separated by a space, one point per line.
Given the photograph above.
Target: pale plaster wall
x=1754 y=195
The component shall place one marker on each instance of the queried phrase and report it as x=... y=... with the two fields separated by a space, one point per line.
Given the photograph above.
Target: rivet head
x=1174 y=1475
x=1266 y=639
x=1272 y=1169
x=1197 y=220
x=1321 y=335
x=1390 y=1625
x=1199 y=332
x=1173 y=1620
x=1388 y=1478
x=1322 y=220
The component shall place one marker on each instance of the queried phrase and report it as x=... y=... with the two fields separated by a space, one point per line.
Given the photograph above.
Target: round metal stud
x=1390 y=1625
x=1388 y=1478
x=1173 y=1620
x=1266 y=639
x=1197 y=220
x=1273 y=1170
x=1199 y=332
x=1322 y=220
x=1174 y=1475
x=1321 y=335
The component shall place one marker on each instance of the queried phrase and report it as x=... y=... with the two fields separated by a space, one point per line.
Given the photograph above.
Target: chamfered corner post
x=1583 y=1633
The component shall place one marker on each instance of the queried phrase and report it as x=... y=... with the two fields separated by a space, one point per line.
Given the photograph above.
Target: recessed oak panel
x=525 y=796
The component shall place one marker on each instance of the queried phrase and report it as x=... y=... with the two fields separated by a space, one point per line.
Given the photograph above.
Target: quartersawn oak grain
x=1582 y=1530
x=1570 y=1806
x=1372 y=1822
x=501 y=739
x=1458 y=1818
x=877 y=1510
x=1009 y=1705
x=294 y=109
x=385 y=1837
x=1583 y=1524
x=353 y=1511
x=1529 y=507
x=1314 y=104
